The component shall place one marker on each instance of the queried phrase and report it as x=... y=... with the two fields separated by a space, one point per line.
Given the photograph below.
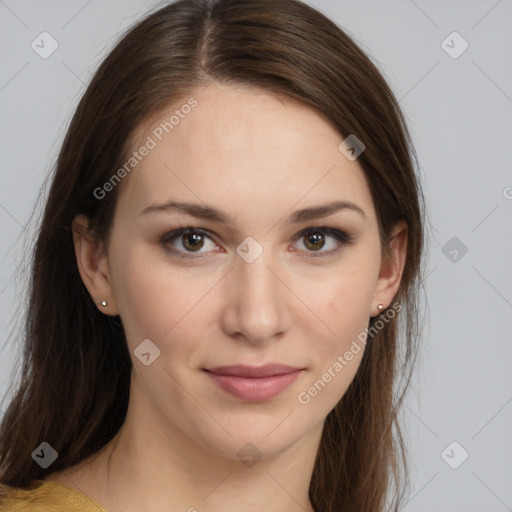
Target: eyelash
x=341 y=236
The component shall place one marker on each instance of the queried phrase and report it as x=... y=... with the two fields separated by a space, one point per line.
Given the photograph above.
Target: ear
x=92 y=263
x=391 y=269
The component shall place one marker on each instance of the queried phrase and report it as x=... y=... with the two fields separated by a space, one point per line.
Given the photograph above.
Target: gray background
x=459 y=111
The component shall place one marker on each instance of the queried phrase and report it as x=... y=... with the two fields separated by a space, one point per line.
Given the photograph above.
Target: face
x=262 y=285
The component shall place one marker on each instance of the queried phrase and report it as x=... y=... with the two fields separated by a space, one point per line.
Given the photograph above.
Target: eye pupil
x=192 y=241
x=315 y=238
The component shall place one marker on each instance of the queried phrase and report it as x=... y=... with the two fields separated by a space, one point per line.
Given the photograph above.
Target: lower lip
x=257 y=389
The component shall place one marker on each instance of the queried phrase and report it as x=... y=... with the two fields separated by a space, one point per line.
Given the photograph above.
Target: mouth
x=254 y=384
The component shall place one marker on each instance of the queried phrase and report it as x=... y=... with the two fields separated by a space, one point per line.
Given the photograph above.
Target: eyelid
x=343 y=238
x=172 y=235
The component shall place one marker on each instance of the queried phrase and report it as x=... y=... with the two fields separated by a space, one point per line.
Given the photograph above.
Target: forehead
x=241 y=149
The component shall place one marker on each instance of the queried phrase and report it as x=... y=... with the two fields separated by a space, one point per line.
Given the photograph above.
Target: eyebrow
x=202 y=211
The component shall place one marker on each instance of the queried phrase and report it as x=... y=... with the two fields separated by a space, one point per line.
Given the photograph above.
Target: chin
x=253 y=435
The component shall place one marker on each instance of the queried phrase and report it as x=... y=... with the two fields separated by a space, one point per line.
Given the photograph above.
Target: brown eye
x=315 y=240
x=192 y=241
x=186 y=241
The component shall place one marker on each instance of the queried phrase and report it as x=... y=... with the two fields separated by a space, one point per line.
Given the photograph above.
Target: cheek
x=345 y=301
x=338 y=354
x=158 y=300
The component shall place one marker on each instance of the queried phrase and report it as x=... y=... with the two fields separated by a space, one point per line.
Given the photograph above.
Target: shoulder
x=45 y=496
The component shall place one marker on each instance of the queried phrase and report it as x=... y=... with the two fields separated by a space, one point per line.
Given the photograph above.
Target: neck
x=152 y=466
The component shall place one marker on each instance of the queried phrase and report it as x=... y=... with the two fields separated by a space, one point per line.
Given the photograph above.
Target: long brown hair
x=74 y=388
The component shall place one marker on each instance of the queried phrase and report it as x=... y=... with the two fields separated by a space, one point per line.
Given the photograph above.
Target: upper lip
x=253 y=371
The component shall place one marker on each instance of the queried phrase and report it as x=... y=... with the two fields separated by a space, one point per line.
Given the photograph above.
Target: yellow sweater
x=46 y=496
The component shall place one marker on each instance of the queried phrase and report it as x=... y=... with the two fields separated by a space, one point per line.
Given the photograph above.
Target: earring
x=102 y=303
x=380 y=307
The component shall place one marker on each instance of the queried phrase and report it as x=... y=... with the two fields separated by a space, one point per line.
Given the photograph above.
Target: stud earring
x=102 y=303
x=380 y=307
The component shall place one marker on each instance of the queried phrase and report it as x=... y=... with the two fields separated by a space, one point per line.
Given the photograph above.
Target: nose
x=255 y=309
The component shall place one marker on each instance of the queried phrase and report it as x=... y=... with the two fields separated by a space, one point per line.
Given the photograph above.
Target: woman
x=233 y=231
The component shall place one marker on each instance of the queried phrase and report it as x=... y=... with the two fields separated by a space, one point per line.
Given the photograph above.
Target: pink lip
x=255 y=384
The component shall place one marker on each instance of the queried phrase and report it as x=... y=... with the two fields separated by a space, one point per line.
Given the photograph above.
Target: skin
x=258 y=158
